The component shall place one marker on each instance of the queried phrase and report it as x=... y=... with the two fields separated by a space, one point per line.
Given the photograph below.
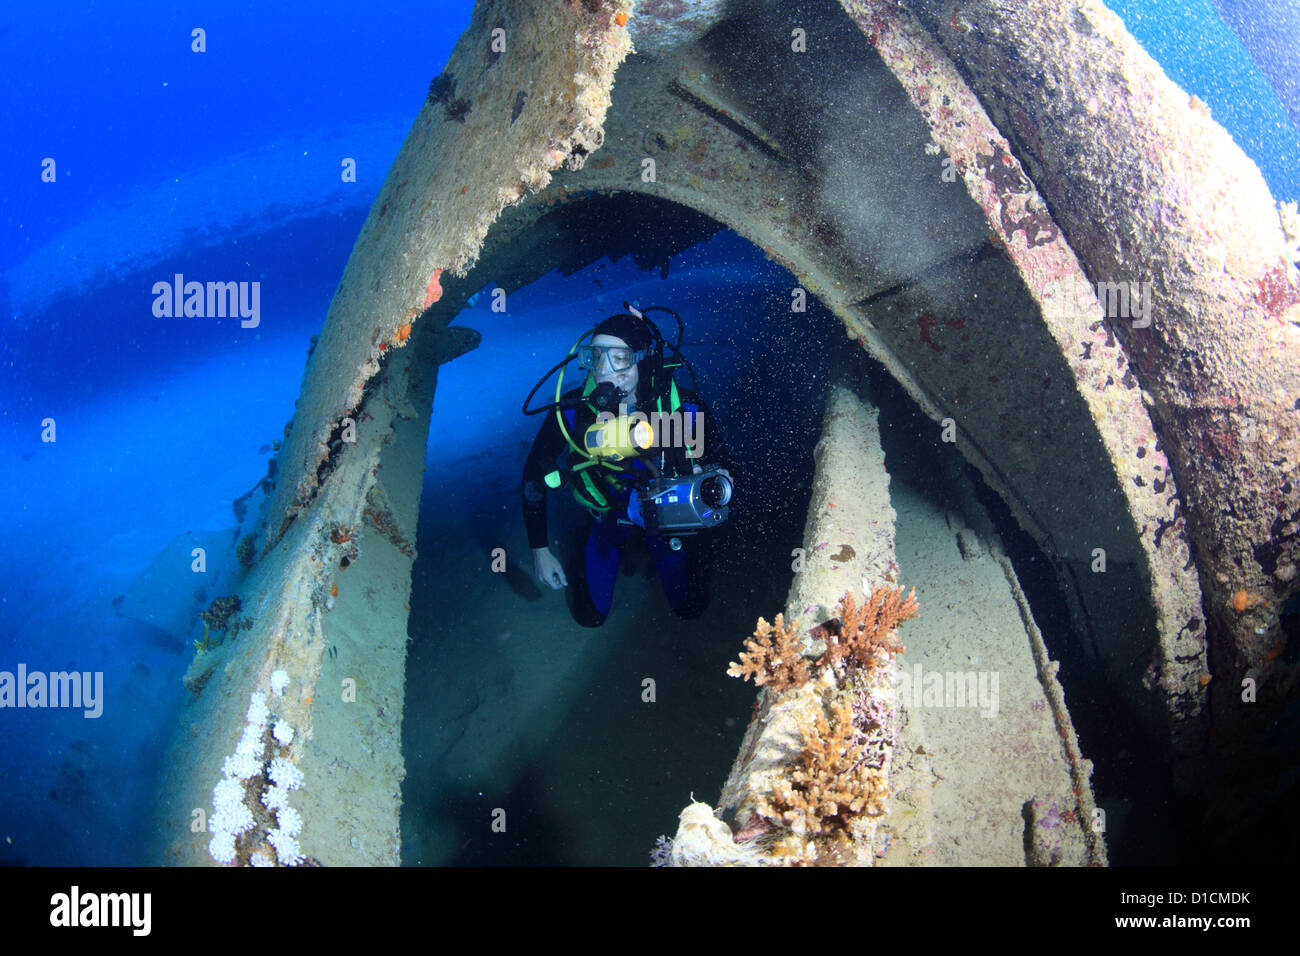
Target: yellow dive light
x=617 y=437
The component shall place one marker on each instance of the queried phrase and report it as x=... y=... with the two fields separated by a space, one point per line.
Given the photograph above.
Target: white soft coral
x=257 y=711
x=290 y=820
x=222 y=847
x=283 y=733
x=704 y=840
x=286 y=847
x=230 y=817
x=273 y=798
x=241 y=765
x=285 y=774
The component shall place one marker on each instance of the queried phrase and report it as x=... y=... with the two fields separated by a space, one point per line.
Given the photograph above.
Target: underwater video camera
x=681 y=506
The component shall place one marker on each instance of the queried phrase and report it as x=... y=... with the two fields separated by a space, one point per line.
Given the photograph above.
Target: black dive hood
x=652 y=382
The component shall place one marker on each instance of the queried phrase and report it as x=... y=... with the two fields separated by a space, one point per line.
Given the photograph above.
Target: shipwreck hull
x=928 y=194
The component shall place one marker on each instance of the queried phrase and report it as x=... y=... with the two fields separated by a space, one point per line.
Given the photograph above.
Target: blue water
x=223 y=164
x=1207 y=57
x=226 y=164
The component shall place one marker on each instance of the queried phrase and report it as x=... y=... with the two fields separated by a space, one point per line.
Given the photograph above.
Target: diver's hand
x=548 y=570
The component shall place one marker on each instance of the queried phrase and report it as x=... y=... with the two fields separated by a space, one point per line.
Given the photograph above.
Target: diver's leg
x=684 y=574
x=593 y=591
x=699 y=571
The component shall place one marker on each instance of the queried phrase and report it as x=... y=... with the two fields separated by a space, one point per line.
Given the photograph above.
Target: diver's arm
x=532 y=493
x=541 y=459
x=548 y=570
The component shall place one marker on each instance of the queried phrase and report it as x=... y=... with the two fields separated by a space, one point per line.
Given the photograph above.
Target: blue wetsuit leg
x=604 y=548
x=673 y=568
x=684 y=573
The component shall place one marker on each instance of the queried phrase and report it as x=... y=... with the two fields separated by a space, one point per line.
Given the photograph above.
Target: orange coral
x=403 y=333
x=859 y=637
x=334 y=589
x=864 y=636
x=773 y=656
x=1244 y=599
x=841 y=772
x=834 y=783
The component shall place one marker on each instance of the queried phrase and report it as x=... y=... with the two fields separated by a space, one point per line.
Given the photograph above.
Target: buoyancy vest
x=600 y=483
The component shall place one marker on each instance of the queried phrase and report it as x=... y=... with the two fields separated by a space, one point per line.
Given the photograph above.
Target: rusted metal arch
x=1033 y=377
x=1148 y=188
x=1083 y=473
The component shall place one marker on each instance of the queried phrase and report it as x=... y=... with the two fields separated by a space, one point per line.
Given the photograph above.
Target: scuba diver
x=635 y=444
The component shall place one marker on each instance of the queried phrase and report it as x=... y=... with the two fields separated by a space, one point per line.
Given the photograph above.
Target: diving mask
x=619 y=358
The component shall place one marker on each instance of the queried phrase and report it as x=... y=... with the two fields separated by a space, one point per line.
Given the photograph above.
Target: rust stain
x=1276 y=293
x=926 y=321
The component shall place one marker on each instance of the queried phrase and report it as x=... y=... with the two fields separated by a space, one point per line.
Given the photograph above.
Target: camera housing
x=684 y=505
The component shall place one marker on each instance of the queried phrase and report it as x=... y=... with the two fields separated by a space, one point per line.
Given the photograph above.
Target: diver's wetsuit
x=683 y=573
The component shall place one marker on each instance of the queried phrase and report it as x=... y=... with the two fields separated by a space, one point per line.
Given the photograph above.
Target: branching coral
x=841 y=772
x=220 y=616
x=220 y=611
x=773 y=656
x=246 y=551
x=442 y=88
x=860 y=637
x=834 y=782
x=864 y=636
x=208 y=642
